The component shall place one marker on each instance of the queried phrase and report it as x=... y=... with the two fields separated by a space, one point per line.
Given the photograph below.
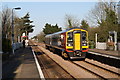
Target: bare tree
x=0 y=19
x=0 y=25
x=71 y=21
x=18 y=24
x=98 y=14
x=6 y=22
x=118 y=12
x=0 y=31
x=6 y=19
x=41 y=37
x=104 y=16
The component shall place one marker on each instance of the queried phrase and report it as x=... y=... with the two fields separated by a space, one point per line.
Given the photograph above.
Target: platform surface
x=111 y=53
x=22 y=65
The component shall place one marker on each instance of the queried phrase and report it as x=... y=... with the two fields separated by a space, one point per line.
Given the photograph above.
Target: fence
x=17 y=45
x=101 y=45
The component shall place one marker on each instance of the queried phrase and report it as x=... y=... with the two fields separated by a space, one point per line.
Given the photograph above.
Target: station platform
x=20 y=66
x=107 y=52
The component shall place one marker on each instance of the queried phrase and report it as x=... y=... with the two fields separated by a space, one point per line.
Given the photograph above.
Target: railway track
x=103 y=66
x=50 y=68
x=99 y=71
x=87 y=66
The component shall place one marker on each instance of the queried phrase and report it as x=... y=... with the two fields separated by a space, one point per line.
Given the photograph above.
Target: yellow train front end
x=76 y=43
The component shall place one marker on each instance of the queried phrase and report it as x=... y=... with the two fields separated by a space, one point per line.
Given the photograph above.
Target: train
x=70 y=43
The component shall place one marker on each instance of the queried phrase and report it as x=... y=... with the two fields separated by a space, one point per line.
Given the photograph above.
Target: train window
x=70 y=39
x=61 y=36
x=70 y=36
x=83 y=35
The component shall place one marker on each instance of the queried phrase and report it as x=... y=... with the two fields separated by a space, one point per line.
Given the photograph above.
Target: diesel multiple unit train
x=71 y=43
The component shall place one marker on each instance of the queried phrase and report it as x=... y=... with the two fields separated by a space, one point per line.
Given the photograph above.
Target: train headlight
x=84 y=44
x=69 y=44
x=84 y=41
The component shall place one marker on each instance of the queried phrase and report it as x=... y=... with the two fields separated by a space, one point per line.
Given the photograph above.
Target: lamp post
x=18 y=8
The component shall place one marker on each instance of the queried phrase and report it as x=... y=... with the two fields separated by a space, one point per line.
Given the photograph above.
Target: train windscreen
x=70 y=39
x=84 y=38
x=84 y=35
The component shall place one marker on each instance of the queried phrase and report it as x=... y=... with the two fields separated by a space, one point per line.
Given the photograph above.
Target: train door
x=70 y=40
x=77 y=40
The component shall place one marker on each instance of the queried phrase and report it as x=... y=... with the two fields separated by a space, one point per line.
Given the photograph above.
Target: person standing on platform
x=26 y=42
x=23 y=42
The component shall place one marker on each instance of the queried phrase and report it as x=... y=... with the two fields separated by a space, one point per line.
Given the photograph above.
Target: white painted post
x=115 y=39
x=96 y=40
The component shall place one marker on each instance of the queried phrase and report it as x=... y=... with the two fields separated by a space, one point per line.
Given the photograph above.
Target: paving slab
x=22 y=65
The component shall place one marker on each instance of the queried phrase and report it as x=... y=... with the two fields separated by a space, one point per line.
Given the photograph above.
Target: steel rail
x=99 y=76
x=57 y=64
x=103 y=68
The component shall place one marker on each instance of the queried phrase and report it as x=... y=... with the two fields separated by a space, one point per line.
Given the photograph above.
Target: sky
x=50 y=12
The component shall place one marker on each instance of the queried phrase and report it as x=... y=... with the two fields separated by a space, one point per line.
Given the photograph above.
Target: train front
x=77 y=43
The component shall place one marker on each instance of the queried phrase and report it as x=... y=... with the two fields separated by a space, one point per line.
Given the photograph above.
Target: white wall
x=101 y=45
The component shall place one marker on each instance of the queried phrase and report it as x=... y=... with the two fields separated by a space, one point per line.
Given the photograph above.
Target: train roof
x=63 y=31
